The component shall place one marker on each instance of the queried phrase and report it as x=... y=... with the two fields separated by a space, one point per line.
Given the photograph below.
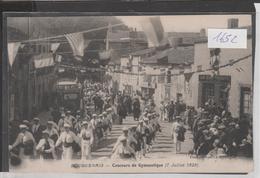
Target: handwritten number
x=217 y=37
x=233 y=39
x=225 y=37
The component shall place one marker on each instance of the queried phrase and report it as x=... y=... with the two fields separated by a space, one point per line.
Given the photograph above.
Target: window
x=169 y=79
x=161 y=78
x=245 y=102
x=199 y=68
x=208 y=92
x=148 y=78
x=70 y=96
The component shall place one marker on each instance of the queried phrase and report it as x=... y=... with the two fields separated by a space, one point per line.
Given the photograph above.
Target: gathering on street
x=121 y=127
x=113 y=91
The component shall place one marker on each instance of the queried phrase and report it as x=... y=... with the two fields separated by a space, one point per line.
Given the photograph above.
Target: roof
x=119 y=36
x=142 y=52
x=172 y=56
x=43 y=60
x=67 y=83
x=126 y=36
x=183 y=34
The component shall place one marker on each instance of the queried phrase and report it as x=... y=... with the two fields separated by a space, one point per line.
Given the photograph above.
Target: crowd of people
x=69 y=135
x=217 y=134
x=136 y=141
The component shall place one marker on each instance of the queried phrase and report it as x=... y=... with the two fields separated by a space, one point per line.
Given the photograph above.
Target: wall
x=241 y=77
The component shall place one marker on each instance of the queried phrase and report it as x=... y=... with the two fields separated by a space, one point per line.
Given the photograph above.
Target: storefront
x=214 y=88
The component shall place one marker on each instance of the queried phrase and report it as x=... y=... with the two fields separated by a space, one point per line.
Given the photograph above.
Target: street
x=162 y=147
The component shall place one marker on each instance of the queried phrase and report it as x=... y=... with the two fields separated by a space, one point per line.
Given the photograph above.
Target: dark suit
x=37 y=132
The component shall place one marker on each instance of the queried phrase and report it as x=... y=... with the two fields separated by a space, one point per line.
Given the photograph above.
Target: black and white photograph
x=118 y=94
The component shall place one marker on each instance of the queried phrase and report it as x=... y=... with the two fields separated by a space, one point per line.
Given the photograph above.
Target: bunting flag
x=58 y=58
x=77 y=43
x=238 y=69
x=54 y=47
x=188 y=76
x=105 y=55
x=12 y=51
x=154 y=30
x=44 y=62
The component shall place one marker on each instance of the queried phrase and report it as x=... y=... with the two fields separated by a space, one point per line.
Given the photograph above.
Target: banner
x=104 y=55
x=12 y=51
x=153 y=30
x=54 y=47
x=77 y=43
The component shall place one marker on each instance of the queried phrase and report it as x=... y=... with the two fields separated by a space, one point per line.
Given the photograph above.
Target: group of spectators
x=68 y=135
x=217 y=134
x=169 y=110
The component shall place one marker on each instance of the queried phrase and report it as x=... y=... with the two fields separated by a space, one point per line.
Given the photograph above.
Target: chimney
x=232 y=23
x=202 y=32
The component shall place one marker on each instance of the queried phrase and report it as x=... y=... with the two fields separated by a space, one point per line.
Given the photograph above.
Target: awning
x=43 y=62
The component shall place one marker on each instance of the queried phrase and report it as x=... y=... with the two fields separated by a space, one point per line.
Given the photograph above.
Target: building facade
x=230 y=87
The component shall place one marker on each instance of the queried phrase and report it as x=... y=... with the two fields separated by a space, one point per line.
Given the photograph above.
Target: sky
x=188 y=23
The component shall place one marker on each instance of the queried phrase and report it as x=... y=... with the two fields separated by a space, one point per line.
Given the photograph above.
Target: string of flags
x=186 y=74
x=76 y=40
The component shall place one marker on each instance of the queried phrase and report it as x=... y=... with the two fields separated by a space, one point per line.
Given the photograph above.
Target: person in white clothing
x=93 y=121
x=51 y=130
x=25 y=142
x=67 y=139
x=46 y=147
x=87 y=138
x=175 y=127
x=61 y=123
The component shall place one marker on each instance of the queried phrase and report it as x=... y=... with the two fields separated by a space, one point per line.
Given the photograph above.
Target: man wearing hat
x=25 y=141
x=46 y=146
x=124 y=135
x=99 y=128
x=93 y=121
x=106 y=124
x=87 y=139
x=142 y=131
x=69 y=118
x=37 y=129
x=27 y=123
x=136 y=109
x=78 y=122
x=67 y=139
x=175 y=126
x=61 y=122
x=123 y=150
x=144 y=114
x=148 y=124
x=110 y=118
x=53 y=133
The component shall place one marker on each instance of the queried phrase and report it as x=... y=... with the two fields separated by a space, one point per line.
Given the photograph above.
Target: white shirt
x=175 y=125
x=67 y=137
x=88 y=133
x=42 y=142
x=23 y=137
x=51 y=132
